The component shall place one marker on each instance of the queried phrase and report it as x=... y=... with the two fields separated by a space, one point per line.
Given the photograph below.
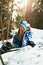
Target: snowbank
x=24 y=56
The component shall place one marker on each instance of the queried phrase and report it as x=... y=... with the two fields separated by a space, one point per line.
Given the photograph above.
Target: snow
x=37 y=33
x=37 y=36
x=27 y=55
x=24 y=56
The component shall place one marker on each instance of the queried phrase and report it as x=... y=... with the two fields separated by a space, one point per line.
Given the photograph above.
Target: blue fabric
x=17 y=41
x=27 y=37
x=24 y=24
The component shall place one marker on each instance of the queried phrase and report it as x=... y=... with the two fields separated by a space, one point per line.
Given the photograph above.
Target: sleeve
x=27 y=37
x=25 y=40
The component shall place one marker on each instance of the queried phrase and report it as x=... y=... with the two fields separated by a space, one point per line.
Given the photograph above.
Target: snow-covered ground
x=27 y=55
x=24 y=56
x=37 y=36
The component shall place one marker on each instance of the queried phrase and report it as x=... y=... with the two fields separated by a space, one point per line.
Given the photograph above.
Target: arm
x=26 y=38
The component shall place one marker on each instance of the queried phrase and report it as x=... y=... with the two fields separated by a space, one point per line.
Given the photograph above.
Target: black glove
x=5 y=47
x=31 y=43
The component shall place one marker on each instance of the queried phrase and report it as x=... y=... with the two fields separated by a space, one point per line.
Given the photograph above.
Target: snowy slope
x=27 y=55
x=37 y=36
x=37 y=33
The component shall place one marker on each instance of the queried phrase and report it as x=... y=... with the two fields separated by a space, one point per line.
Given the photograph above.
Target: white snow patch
x=24 y=56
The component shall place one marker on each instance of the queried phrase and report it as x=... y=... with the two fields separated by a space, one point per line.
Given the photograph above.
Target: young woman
x=24 y=35
x=22 y=38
